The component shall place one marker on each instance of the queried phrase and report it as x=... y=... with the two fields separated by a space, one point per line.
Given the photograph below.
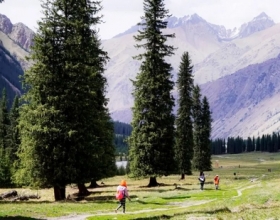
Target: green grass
x=252 y=193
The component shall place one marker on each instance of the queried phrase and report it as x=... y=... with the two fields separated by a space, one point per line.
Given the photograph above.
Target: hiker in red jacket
x=121 y=195
x=217 y=181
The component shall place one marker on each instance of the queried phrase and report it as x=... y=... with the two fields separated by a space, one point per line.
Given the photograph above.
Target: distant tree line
x=122 y=128
x=235 y=145
x=122 y=131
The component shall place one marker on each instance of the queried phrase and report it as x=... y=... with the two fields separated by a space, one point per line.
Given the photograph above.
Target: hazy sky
x=119 y=15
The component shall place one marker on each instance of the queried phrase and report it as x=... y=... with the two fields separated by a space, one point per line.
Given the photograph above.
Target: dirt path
x=180 y=204
x=71 y=217
x=239 y=191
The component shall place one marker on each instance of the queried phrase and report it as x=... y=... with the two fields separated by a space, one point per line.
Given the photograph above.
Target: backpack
x=120 y=195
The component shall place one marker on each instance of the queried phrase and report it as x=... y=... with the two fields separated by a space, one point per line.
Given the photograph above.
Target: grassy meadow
x=248 y=190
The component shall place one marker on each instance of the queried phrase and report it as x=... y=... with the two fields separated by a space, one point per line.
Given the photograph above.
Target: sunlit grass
x=247 y=191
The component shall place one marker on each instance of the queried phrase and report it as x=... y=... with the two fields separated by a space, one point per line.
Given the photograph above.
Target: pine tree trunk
x=82 y=190
x=153 y=182
x=93 y=184
x=182 y=176
x=59 y=193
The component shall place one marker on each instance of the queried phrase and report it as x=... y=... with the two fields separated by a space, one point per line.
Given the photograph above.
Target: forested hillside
x=122 y=131
x=10 y=72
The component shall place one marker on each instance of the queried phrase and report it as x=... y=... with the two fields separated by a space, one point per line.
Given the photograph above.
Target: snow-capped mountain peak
x=174 y=22
x=259 y=23
x=262 y=16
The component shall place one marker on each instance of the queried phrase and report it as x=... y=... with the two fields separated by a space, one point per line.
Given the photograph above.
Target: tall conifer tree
x=206 y=128
x=65 y=102
x=202 y=131
x=184 y=127
x=197 y=125
x=152 y=139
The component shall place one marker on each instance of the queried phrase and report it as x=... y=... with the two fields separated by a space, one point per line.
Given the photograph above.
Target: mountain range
x=237 y=69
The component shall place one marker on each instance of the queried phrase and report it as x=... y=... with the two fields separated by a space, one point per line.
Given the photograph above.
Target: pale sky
x=119 y=15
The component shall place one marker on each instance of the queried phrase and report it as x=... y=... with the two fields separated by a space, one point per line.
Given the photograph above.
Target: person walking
x=217 y=181
x=122 y=194
x=201 y=179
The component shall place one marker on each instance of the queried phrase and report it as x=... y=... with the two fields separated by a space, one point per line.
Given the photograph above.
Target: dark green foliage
x=263 y=146
x=235 y=145
x=122 y=128
x=122 y=132
x=258 y=144
x=184 y=127
x=121 y=143
x=250 y=146
x=206 y=129
x=9 y=139
x=5 y=168
x=105 y=156
x=202 y=132
x=64 y=123
x=14 y=138
x=151 y=143
x=197 y=125
x=218 y=146
x=4 y=121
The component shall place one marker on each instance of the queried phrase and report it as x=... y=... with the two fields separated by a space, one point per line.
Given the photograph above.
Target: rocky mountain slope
x=215 y=51
x=246 y=102
x=15 y=41
x=18 y=32
x=236 y=68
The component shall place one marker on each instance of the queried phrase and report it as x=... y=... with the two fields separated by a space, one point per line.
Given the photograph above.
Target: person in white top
x=201 y=179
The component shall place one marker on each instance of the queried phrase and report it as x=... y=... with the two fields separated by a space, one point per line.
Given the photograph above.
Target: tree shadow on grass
x=17 y=218
x=145 y=203
x=176 y=197
x=107 y=199
x=103 y=186
x=156 y=217
x=24 y=202
x=161 y=217
x=158 y=185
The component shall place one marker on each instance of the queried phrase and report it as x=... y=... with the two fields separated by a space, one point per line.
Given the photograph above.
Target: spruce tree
x=206 y=128
x=151 y=143
x=197 y=128
x=202 y=132
x=184 y=127
x=64 y=100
